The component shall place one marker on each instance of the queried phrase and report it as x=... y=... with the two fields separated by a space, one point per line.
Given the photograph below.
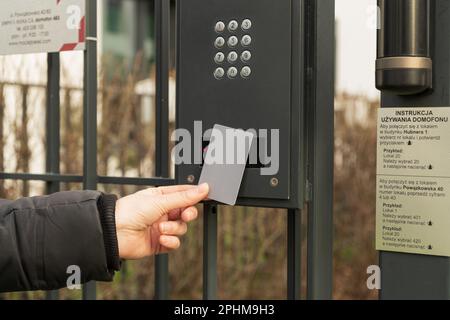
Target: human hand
x=152 y=220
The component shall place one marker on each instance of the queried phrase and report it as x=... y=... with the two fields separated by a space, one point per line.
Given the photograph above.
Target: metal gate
x=319 y=26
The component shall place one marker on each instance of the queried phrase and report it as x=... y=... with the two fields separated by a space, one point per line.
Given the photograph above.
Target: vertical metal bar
x=24 y=161
x=320 y=59
x=162 y=277
x=90 y=115
x=162 y=37
x=52 y=130
x=294 y=254
x=209 y=252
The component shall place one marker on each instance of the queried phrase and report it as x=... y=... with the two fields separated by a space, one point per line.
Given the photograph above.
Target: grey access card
x=225 y=161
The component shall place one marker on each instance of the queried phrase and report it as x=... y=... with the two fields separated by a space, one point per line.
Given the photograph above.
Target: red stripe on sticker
x=68 y=47
x=82 y=30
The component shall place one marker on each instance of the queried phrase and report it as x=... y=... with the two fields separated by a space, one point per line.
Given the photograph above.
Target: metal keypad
x=233 y=39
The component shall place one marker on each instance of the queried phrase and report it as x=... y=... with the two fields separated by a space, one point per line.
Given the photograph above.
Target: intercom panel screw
x=190 y=178
x=274 y=182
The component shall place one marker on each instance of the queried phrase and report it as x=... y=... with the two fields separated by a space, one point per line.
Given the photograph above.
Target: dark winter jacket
x=41 y=237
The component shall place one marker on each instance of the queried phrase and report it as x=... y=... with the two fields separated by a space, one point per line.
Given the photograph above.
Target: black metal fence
x=319 y=213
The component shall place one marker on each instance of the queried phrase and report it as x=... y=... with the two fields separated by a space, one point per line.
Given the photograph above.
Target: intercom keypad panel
x=233 y=43
x=235 y=68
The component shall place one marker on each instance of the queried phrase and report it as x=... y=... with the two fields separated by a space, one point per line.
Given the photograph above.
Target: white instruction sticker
x=413 y=180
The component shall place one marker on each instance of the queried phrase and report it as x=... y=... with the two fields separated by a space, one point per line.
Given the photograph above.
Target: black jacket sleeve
x=41 y=237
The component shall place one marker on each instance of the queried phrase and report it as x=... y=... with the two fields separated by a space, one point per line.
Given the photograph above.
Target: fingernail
x=162 y=227
x=203 y=188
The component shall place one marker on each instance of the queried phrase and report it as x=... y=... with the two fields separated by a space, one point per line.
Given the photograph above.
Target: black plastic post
x=412 y=276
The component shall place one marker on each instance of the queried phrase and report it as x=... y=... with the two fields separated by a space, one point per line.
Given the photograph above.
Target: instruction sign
x=33 y=26
x=413 y=181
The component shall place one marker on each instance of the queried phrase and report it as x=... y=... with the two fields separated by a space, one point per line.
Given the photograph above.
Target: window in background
x=113 y=15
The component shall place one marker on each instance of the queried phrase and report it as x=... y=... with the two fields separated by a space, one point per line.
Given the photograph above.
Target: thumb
x=182 y=199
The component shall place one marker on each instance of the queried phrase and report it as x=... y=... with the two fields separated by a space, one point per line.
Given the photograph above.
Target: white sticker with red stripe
x=33 y=26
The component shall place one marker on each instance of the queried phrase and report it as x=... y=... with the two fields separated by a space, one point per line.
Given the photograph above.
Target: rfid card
x=225 y=161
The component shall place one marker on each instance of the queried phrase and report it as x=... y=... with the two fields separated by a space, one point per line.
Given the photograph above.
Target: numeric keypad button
x=219 y=73
x=220 y=27
x=246 y=56
x=246 y=24
x=219 y=43
x=233 y=25
x=246 y=72
x=246 y=40
x=233 y=41
x=232 y=72
x=232 y=57
x=219 y=57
